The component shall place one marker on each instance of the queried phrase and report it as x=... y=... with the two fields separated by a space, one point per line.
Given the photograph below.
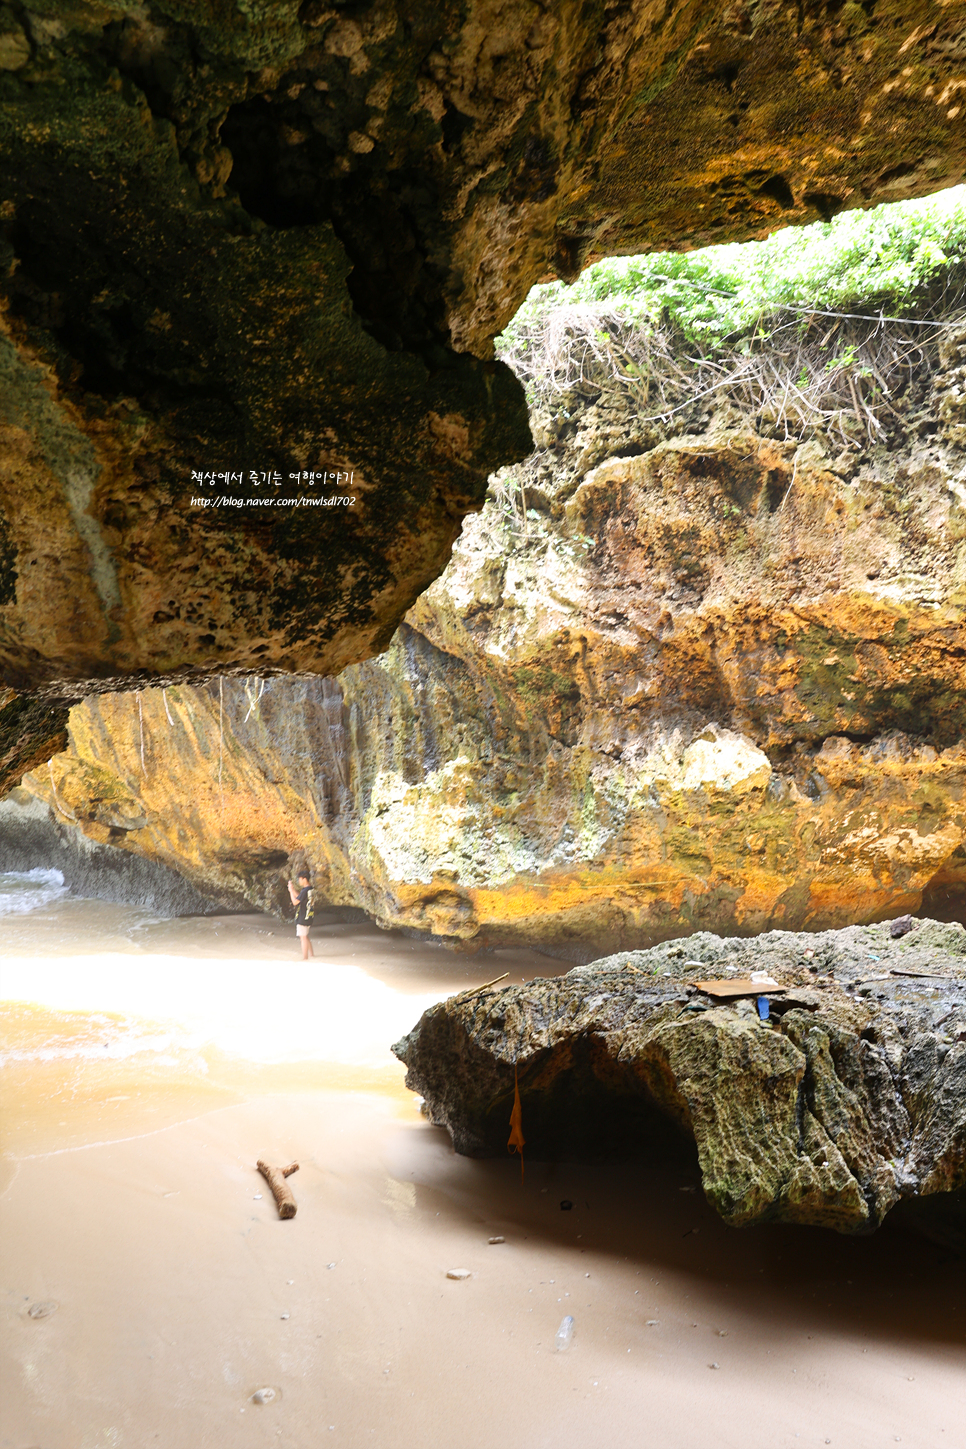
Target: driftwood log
x=282 y=1193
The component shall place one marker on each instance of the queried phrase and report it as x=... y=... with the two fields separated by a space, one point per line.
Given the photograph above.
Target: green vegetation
x=872 y=260
x=831 y=332
x=830 y=329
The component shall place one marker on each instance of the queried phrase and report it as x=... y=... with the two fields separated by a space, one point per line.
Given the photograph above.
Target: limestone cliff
x=718 y=683
x=241 y=243
x=849 y=1100
x=30 y=732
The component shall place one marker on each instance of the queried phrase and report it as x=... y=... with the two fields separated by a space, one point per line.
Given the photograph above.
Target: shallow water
x=109 y=1011
x=24 y=892
x=148 y=1063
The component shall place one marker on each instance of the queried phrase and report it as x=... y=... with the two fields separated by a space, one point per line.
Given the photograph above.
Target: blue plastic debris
x=873 y=958
x=763 y=1007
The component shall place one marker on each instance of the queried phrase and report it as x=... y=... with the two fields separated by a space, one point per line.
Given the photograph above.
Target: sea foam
x=23 y=891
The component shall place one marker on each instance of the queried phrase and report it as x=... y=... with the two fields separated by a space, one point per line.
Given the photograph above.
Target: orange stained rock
x=728 y=754
x=829 y=900
x=519 y=900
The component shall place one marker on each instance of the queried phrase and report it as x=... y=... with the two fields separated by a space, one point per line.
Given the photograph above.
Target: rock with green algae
x=851 y=1101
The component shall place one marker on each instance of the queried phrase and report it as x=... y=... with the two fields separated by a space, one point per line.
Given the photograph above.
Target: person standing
x=302 y=900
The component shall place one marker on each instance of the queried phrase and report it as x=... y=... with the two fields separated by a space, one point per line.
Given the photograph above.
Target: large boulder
x=849 y=1100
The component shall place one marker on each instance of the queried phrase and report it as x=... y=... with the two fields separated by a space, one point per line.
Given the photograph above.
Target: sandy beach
x=149 y=1064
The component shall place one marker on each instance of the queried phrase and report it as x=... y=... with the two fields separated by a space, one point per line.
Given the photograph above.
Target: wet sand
x=132 y=1203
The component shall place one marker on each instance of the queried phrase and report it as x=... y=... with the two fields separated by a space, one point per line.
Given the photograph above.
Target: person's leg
x=306 y=945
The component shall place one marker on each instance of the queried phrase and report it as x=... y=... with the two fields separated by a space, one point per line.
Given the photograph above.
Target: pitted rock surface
x=681 y=702
x=852 y=1099
x=279 y=238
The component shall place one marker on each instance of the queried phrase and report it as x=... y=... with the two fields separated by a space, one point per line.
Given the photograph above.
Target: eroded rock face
x=853 y=1098
x=487 y=851
x=30 y=732
x=32 y=837
x=279 y=238
x=720 y=683
x=117 y=563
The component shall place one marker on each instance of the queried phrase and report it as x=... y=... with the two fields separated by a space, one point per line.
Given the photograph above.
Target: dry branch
x=282 y=1193
x=781 y=371
x=470 y=989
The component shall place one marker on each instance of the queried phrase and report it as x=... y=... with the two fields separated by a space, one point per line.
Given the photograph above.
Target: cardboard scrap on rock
x=739 y=986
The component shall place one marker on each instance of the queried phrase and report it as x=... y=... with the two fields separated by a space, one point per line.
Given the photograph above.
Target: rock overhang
x=276 y=241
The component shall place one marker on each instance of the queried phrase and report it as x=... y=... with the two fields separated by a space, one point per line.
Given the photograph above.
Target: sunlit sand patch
x=113 y=1020
x=144 y=1082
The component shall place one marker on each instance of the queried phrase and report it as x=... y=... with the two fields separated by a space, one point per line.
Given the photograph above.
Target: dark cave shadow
x=893 y=1285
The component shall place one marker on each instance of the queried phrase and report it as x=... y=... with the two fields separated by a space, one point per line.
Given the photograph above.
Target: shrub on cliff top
x=861 y=259
x=799 y=332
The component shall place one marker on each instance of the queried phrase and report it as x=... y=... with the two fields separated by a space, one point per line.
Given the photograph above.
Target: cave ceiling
x=263 y=239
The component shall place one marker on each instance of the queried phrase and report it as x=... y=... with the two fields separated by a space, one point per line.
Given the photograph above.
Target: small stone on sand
x=496 y=1240
x=263 y=1396
x=458 y=1273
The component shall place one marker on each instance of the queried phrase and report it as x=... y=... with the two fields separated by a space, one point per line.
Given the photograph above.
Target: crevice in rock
x=250 y=133
x=779 y=190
